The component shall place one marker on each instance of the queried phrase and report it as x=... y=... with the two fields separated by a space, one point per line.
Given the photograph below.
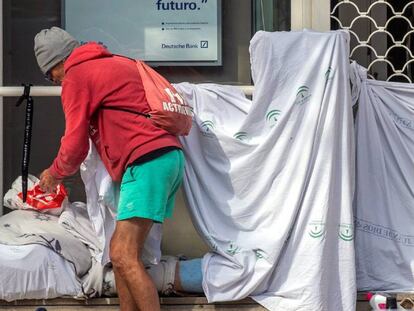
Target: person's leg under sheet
x=190 y=275
x=172 y=275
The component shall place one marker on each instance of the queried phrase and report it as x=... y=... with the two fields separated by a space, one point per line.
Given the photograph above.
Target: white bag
x=51 y=203
x=35 y=272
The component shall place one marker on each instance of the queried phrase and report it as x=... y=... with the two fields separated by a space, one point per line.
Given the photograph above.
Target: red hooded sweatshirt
x=95 y=78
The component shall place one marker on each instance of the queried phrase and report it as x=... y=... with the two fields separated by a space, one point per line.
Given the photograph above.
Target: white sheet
x=101 y=199
x=384 y=200
x=100 y=279
x=269 y=182
x=76 y=221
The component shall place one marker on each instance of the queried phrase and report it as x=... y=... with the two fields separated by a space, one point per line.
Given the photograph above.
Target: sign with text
x=155 y=31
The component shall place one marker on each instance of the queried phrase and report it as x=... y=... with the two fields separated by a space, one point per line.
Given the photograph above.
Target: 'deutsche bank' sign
x=152 y=30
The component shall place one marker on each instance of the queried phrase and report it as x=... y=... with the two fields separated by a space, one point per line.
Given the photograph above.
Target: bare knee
x=121 y=257
x=127 y=243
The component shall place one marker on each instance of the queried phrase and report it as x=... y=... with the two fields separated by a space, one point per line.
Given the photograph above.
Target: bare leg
x=126 y=246
x=126 y=301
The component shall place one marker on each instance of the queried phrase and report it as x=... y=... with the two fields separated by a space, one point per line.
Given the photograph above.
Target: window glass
x=272 y=15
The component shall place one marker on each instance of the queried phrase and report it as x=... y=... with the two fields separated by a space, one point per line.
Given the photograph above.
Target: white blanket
x=269 y=182
x=384 y=200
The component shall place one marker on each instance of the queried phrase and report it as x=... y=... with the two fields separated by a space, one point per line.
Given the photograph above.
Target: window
x=272 y=15
x=382 y=35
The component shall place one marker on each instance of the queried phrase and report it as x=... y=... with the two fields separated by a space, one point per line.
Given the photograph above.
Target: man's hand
x=47 y=182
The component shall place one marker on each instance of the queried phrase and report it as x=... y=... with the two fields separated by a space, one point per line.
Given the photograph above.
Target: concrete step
x=167 y=303
x=111 y=304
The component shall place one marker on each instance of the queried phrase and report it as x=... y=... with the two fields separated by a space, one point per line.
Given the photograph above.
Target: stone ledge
x=115 y=301
x=167 y=303
x=112 y=304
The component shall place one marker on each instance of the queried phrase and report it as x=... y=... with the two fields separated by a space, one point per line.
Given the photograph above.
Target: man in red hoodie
x=146 y=159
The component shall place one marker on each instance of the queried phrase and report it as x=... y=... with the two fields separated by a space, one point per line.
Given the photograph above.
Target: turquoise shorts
x=148 y=189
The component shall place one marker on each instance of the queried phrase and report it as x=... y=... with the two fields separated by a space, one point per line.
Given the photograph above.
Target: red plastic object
x=41 y=200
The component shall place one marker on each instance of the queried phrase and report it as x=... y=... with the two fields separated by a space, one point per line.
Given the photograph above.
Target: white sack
x=102 y=200
x=31 y=227
x=35 y=272
x=269 y=182
x=38 y=258
x=384 y=198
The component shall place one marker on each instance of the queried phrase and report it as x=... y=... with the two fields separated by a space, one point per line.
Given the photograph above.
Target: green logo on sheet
x=233 y=249
x=346 y=232
x=303 y=95
x=260 y=254
x=242 y=136
x=402 y=122
x=207 y=127
x=272 y=116
x=316 y=229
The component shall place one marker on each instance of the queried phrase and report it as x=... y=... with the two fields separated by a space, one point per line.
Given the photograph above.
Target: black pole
x=27 y=136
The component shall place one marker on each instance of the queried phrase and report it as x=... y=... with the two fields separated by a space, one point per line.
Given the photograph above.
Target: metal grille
x=382 y=37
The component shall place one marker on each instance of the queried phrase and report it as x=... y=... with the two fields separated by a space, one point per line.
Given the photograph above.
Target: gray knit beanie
x=52 y=46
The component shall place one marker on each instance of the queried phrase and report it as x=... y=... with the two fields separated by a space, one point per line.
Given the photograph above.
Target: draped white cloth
x=384 y=197
x=269 y=182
